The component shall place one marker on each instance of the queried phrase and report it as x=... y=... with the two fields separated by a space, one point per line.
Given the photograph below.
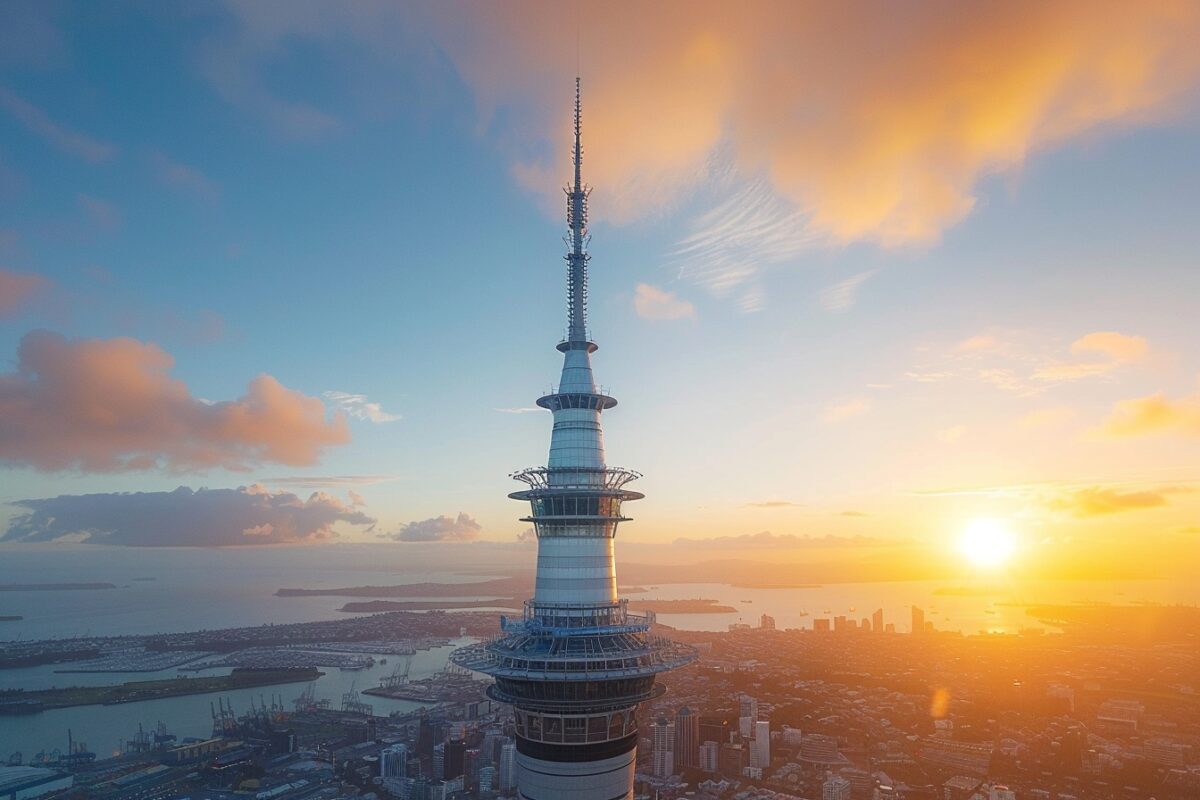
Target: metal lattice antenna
x=577 y=257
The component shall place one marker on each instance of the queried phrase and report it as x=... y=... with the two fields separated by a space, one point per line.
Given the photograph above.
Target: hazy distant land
x=53 y=587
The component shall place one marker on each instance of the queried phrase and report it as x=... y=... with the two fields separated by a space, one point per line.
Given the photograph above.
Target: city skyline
x=997 y=324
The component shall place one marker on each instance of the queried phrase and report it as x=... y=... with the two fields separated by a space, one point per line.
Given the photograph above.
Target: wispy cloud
x=766 y=539
x=1022 y=363
x=728 y=247
x=17 y=288
x=650 y=302
x=846 y=409
x=842 y=295
x=178 y=175
x=37 y=122
x=1153 y=415
x=1093 y=501
x=322 y=481
x=520 y=410
x=359 y=407
x=100 y=213
x=773 y=504
x=951 y=434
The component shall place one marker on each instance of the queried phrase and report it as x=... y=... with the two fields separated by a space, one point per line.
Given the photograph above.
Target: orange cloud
x=650 y=302
x=1116 y=346
x=109 y=404
x=1094 y=501
x=877 y=132
x=1156 y=414
x=16 y=288
x=837 y=412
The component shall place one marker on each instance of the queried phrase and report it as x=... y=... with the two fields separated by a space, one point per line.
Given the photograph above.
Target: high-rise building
x=439 y=761
x=577 y=664
x=732 y=759
x=877 y=621
x=664 y=747
x=767 y=622
x=508 y=766
x=748 y=707
x=456 y=755
x=393 y=762
x=710 y=754
x=821 y=625
x=687 y=738
x=715 y=729
x=760 y=748
x=839 y=624
x=487 y=780
x=918 y=620
x=835 y=788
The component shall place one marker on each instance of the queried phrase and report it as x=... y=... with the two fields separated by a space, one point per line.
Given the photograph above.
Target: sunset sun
x=987 y=543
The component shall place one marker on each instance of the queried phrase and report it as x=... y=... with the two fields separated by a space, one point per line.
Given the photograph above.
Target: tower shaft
x=577 y=664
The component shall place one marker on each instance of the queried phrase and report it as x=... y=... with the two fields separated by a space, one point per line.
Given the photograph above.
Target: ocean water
x=161 y=591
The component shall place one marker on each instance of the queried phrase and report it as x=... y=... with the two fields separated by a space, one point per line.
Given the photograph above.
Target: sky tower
x=577 y=664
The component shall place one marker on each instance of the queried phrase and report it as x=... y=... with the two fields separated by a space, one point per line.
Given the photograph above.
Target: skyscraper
x=664 y=747
x=508 y=766
x=918 y=620
x=687 y=738
x=760 y=748
x=577 y=664
x=877 y=621
x=393 y=762
x=710 y=756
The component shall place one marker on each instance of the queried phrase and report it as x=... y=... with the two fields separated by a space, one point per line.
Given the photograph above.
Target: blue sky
x=350 y=207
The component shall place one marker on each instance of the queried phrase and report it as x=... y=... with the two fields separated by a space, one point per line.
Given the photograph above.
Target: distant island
x=11 y=618
x=699 y=605
x=500 y=587
x=376 y=606
x=53 y=587
x=33 y=701
x=968 y=591
x=764 y=585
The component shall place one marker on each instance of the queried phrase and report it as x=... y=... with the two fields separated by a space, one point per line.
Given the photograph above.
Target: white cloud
x=650 y=302
x=837 y=412
x=842 y=295
x=440 y=529
x=359 y=407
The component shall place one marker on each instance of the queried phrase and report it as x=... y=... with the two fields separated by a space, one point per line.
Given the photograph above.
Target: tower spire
x=577 y=256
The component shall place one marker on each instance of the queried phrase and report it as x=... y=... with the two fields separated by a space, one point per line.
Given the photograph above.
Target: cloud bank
x=766 y=539
x=879 y=133
x=16 y=289
x=107 y=405
x=1094 y=501
x=440 y=529
x=248 y=515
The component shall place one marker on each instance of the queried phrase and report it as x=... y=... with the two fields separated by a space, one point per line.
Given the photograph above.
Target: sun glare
x=987 y=543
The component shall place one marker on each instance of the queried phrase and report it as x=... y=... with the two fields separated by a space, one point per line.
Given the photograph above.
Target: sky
x=274 y=273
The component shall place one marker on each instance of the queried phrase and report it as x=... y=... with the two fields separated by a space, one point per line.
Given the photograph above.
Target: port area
x=22 y=702
x=451 y=685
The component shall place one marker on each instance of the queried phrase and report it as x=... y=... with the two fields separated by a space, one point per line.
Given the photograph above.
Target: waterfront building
x=821 y=625
x=577 y=664
x=877 y=621
x=767 y=622
x=918 y=620
x=687 y=738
